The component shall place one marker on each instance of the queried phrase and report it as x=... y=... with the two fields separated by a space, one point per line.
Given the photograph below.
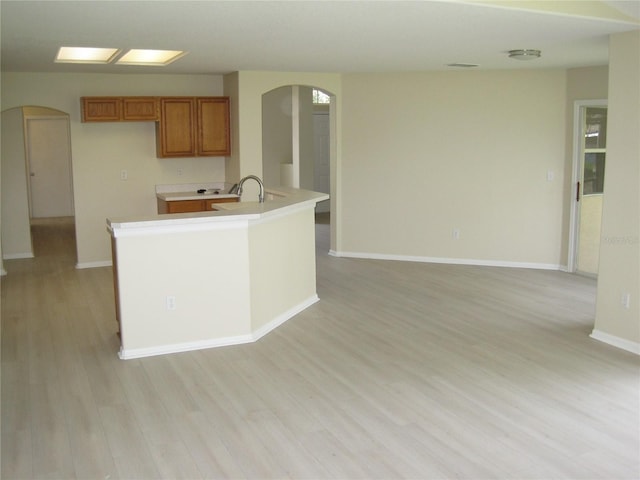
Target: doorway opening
x=37 y=185
x=590 y=147
x=297 y=141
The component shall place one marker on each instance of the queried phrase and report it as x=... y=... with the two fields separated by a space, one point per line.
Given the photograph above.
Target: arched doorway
x=296 y=138
x=37 y=182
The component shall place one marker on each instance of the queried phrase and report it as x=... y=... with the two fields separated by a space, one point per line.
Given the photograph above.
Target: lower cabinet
x=188 y=206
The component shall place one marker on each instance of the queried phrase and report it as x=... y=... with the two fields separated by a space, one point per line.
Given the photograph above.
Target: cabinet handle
x=578 y=192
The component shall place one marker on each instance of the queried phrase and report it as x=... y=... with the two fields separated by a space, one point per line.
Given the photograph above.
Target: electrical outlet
x=124 y=175
x=171 y=302
x=179 y=172
x=455 y=234
x=550 y=175
x=625 y=299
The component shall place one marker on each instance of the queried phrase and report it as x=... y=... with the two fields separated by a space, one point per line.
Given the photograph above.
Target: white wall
x=16 y=233
x=2 y=270
x=427 y=153
x=276 y=133
x=305 y=132
x=619 y=270
x=101 y=150
x=231 y=89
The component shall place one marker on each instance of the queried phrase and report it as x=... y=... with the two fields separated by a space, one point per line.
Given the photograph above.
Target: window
x=593 y=172
x=595 y=144
x=320 y=98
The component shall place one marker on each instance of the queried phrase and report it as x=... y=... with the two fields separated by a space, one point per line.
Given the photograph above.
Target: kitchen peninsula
x=198 y=280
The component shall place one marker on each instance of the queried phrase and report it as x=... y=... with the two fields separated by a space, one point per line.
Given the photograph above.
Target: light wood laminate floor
x=402 y=370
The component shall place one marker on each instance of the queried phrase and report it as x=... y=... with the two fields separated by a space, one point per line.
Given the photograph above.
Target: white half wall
x=206 y=283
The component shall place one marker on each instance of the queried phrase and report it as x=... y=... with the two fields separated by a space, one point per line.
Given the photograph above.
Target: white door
x=589 y=170
x=321 y=177
x=49 y=162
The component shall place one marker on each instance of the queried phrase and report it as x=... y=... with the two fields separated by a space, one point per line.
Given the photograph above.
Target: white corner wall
x=16 y=232
x=619 y=270
x=101 y=150
x=425 y=154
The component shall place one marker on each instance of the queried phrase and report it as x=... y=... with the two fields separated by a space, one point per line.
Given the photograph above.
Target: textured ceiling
x=326 y=36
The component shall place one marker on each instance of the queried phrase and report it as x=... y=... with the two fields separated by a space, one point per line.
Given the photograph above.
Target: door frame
x=576 y=175
x=326 y=203
x=27 y=119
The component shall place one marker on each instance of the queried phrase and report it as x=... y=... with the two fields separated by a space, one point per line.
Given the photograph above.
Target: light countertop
x=208 y=195
x=277 y=200
x=189 y=191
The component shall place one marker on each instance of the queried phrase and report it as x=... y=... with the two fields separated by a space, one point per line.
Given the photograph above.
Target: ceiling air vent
x=462 y=65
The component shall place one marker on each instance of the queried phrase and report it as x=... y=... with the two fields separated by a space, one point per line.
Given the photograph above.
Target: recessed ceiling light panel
x=150 y=57
x=86 y=55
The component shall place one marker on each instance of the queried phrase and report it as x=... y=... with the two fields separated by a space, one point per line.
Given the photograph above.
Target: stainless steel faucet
x=260 y=195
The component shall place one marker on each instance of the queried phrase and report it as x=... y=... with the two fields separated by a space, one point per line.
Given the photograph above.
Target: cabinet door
x=101 y=109
x=140 y=108
x=214 y=137
x=185 y=206
x=176 y=130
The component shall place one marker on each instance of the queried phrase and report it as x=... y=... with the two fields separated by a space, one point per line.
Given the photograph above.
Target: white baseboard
x=451 y=261
x=103 y=263
x=17 y=256
x=217 y=342
x=182 y=347
x=629 y=346
x=283 y=317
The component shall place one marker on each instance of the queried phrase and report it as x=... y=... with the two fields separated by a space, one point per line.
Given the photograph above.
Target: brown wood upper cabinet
x=119 y=109
x=214 y=137
x=101 y=109
x=185 y=126
x=140 y=108
x=193 y=127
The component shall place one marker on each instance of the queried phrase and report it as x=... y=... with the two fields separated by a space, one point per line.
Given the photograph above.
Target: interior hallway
x=402 y=370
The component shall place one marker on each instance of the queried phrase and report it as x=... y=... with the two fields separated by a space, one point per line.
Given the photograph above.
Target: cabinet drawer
x=185 y=206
